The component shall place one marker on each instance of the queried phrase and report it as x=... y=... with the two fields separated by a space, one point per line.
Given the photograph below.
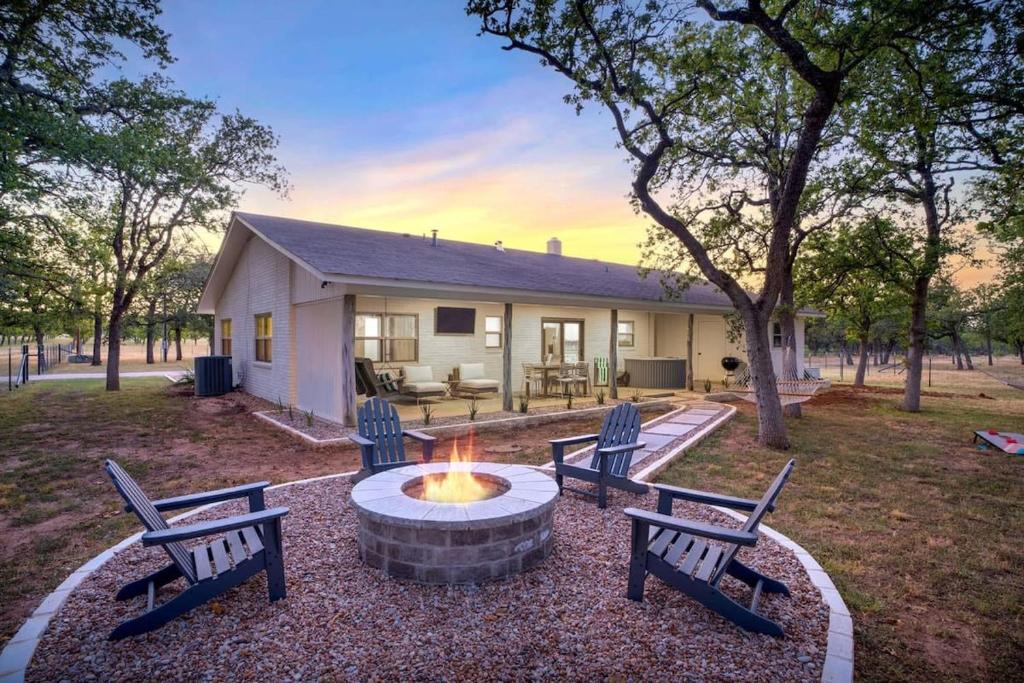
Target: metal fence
x=19 y=364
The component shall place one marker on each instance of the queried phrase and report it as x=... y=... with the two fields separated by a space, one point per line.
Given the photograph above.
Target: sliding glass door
x=561 y=341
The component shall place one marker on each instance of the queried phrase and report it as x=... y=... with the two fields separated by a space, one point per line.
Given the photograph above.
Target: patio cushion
x=418 y=373
x=479 y=384
x=471 y=371
x=423 y=388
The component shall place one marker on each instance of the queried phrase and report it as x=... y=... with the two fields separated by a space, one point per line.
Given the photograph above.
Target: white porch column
x=613 y=356
x=348 y=360
x=506 y=360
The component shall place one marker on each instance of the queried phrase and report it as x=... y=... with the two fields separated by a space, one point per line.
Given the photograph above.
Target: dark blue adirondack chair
x=678 y=552
x=250 y=544
x=613 y=455
x=380 y=438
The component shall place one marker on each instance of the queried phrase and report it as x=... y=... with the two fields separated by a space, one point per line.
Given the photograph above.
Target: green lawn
x=920 y=531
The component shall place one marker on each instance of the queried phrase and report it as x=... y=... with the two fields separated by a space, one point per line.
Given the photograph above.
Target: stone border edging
x=517 y=420
x=838 y=667
x=17 y=653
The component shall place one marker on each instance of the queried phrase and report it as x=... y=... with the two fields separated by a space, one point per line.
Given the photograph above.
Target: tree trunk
x=97 y=338
x=965 y=353
x=40 y=335
x=787 y=324
x=958 y=360
x=862 y=361
x=114 y=350
x=915 y=345
x=887 y=353
x=1020 y=352
x=771 y=426
x=150 y=331
x=988 y=343
x=177 y=342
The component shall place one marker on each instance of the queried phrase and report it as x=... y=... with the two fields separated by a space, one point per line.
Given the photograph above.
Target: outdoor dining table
x=546 y=370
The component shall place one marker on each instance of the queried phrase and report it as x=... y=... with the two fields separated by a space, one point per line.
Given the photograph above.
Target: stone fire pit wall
x=444 y=543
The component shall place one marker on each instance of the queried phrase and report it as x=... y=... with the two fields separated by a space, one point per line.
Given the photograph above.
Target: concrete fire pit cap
x=380 y=497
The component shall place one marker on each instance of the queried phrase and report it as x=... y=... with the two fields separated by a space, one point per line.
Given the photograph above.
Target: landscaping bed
x=567 y=619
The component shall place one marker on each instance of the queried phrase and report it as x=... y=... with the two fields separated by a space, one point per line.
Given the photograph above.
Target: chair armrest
x=419 y=436
x=360 y=440
x=718 y=533
x=216 y=496
x=621 y=448
x=708 y=498
x=217 y=526
x=570 y=440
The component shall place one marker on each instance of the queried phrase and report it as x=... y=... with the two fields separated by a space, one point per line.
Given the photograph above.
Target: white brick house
x=292 y=298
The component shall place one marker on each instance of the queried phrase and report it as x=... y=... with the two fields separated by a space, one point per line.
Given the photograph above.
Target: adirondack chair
x=250 y=544
x=380 y=438
x=613 y=455
x=678 y=552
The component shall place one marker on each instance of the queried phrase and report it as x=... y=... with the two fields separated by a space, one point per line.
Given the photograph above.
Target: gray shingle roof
x=342 y=250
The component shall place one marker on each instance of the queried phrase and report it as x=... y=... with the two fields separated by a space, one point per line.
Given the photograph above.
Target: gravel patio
x=567 y=619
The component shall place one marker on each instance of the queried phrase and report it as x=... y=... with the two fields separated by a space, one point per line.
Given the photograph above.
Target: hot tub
x=657 y=372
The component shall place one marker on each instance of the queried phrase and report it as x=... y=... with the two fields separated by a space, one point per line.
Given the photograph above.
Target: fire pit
x=457 y=522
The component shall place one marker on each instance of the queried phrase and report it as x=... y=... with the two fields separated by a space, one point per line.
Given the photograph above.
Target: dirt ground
x=57 y=507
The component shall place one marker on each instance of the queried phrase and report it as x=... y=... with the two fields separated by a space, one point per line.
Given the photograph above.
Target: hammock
x=791 y=389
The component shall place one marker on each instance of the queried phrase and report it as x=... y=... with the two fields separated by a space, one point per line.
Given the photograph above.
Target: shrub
x=427 y=411
x=280 y=405
x=309 y=418
x=707 y=386
x=637 y=396
x=600 y=396
x=291 y=417
x=474 y=408
x=524 y=403
x=188 y=379
x=568 y=401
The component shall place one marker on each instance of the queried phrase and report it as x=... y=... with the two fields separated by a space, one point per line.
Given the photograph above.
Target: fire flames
x=457 y=485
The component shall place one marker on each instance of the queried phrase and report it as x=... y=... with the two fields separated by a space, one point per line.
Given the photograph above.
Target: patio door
x=561 y=341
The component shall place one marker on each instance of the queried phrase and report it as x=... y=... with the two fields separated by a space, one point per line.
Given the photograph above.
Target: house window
x=264 y=337
x=225 y=337
x=561 y=340
x=776 y=336
x=492 y=331
x=387 y=338
x=627 y=334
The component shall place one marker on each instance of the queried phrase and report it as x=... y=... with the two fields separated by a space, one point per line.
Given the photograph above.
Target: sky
x=396 y=115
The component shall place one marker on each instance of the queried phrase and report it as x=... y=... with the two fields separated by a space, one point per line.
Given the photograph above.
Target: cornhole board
x=1008 y=442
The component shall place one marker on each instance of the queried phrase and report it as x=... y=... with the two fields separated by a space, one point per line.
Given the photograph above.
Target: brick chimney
x=555 y=246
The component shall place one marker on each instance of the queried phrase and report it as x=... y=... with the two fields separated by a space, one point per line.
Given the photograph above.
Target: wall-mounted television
x=448 y=320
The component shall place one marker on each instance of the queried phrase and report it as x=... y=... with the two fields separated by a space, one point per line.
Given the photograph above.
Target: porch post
x=506 y=360
x=613 y=356
x=348 y=361
x=689 y=353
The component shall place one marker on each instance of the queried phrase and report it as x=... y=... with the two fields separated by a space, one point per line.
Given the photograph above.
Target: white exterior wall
x=260 y=283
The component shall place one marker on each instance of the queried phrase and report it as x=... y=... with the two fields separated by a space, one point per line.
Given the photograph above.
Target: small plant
x=707 y=386
x=280 y=405
x=427 y=411
x=725 y=382
x=291 y=417
x=524 y=403
x=188 y=379
x=600 y=396
x=474 y=408
x=309 y=417
x=637 y=396
x=568 y=401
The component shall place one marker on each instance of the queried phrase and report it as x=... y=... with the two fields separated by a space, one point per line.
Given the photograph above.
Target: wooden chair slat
x=707 y=567
x=202 y=557
x=252 y=539
x=693 y=557
x=220 y=556
x=661 y=543
x=679 y=547
x=235 y=546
